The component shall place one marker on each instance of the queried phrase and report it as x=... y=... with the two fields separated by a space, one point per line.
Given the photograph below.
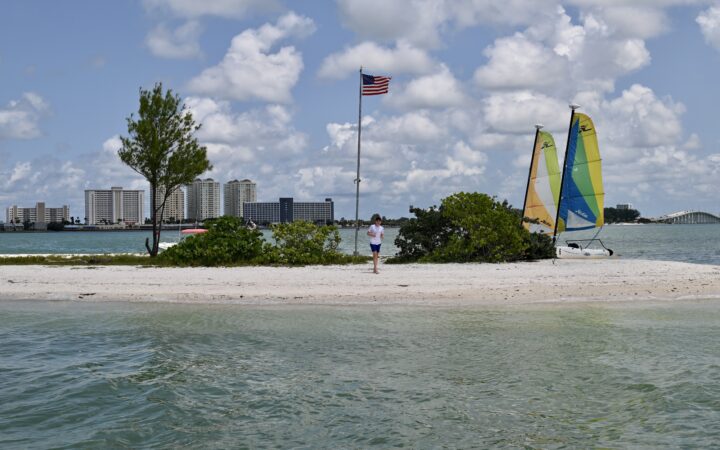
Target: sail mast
x=573 y=107
x=532 y=162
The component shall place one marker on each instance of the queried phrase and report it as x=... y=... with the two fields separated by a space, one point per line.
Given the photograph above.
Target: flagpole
x=532 y=161
x=357 y=178
x=573 y=107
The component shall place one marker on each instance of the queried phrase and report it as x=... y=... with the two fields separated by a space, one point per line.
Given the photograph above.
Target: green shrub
x=301 y=243
x=469 y=227
x=421 y=236
x=227 y=242
x=540 y=246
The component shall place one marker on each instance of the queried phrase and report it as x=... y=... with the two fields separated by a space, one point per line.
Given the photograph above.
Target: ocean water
x=687 y=243
x=83 y=375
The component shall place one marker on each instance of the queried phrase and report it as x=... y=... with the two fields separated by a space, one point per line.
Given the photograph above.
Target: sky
x=274 y=84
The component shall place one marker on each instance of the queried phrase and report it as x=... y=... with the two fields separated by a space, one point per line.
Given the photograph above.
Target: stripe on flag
x=373 y=85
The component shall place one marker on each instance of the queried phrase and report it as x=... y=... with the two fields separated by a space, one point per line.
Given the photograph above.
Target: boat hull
x=564 y=252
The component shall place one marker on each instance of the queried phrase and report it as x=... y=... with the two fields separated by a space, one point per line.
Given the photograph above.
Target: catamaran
x=570 y=200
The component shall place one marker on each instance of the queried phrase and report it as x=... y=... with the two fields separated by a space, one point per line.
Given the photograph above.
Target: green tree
x=469 y=227
x=227 y=242
x=161 y=147
x=614 y=215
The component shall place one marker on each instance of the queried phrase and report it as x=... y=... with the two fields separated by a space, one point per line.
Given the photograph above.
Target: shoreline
x=527 y=283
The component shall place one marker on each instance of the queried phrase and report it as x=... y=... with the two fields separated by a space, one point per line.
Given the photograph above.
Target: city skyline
x=275 y=85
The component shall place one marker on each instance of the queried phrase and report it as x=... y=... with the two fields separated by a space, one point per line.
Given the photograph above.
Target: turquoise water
x=77 y=375
x=688 y=243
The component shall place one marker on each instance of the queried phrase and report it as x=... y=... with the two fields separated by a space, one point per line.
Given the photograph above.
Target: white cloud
x=422 y=22
x=180 y=43
x=234 y=9
x=403 y=58
x=19 y=119
x=249 y=144
x=518 y=111
x=638 y=119
x=709 y=21
x=519 y=63
x=414 y=21
x=624 y=19
x=437 y=90
x=557 y=58
x=248 y=71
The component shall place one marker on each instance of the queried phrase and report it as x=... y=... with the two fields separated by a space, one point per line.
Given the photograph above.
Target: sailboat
x=543 y=187
x=575 y=195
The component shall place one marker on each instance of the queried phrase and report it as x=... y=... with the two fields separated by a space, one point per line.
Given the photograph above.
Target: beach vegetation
x=619 y=215
x=161 y=147
x=303 y=243
x=80 y=260
x=227 y=242
x=468 y=227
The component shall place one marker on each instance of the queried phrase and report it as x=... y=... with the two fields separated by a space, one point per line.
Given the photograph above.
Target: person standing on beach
x=376 y=233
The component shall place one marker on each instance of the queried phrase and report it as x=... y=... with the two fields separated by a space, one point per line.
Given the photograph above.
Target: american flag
x=373 y=85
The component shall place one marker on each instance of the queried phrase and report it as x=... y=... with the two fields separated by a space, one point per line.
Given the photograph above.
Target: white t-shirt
x=378 y=230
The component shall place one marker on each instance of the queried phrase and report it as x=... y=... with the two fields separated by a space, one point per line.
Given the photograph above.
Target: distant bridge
x=688 y=217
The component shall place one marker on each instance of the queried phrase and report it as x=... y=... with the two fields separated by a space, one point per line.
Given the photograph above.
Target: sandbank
x=412 y=284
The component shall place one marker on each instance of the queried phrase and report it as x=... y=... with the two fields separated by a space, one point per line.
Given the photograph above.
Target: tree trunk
x=155 y=233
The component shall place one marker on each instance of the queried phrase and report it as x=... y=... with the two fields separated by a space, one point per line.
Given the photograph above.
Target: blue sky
x=274 y=84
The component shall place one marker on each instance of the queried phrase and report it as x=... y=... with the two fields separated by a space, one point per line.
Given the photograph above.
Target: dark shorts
x=375 y=247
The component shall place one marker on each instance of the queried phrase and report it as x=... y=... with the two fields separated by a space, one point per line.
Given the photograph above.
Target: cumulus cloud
x=20 y=119
x=640 y=120
x=181 y=43
x=437 y=90
x=517 y=62
x=235 y=9
x=709 y=21
x=248 y=71
x=516 y=112
x=415 y=157
x=248 y=144
x=403 y=58
x=422 y=22
x=556 y=57
x=416 y=21
x=622 y=19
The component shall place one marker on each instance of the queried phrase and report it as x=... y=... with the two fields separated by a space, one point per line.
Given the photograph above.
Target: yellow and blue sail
x=581 y=205
x=544 y=186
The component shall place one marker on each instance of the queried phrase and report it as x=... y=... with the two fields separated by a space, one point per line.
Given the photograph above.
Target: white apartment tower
x=37 y=214
x=113 y=206
x=203 y=199
x=174 y=206
x=236 y=193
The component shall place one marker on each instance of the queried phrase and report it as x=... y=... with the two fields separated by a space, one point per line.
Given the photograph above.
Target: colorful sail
x=581 y=205
x=544 y=186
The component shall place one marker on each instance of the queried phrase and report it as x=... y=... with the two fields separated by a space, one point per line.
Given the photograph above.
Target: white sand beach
x=415 y=284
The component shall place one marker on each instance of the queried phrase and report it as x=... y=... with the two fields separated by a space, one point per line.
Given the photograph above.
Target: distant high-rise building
x=38 y=214
x=288 y=210
x=114 y=205
x=624 y=206
x=203 y=199
x=237 y=193
x=174 y=206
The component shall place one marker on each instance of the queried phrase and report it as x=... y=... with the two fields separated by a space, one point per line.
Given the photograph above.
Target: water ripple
x=173 y=376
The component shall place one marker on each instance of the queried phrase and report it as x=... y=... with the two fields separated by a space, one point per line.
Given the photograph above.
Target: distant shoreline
x=561 y=281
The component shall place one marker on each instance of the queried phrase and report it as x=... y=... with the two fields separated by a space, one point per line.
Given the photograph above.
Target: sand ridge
x=412 y=284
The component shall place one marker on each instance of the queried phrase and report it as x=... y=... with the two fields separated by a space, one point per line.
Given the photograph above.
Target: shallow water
x=77 y=375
